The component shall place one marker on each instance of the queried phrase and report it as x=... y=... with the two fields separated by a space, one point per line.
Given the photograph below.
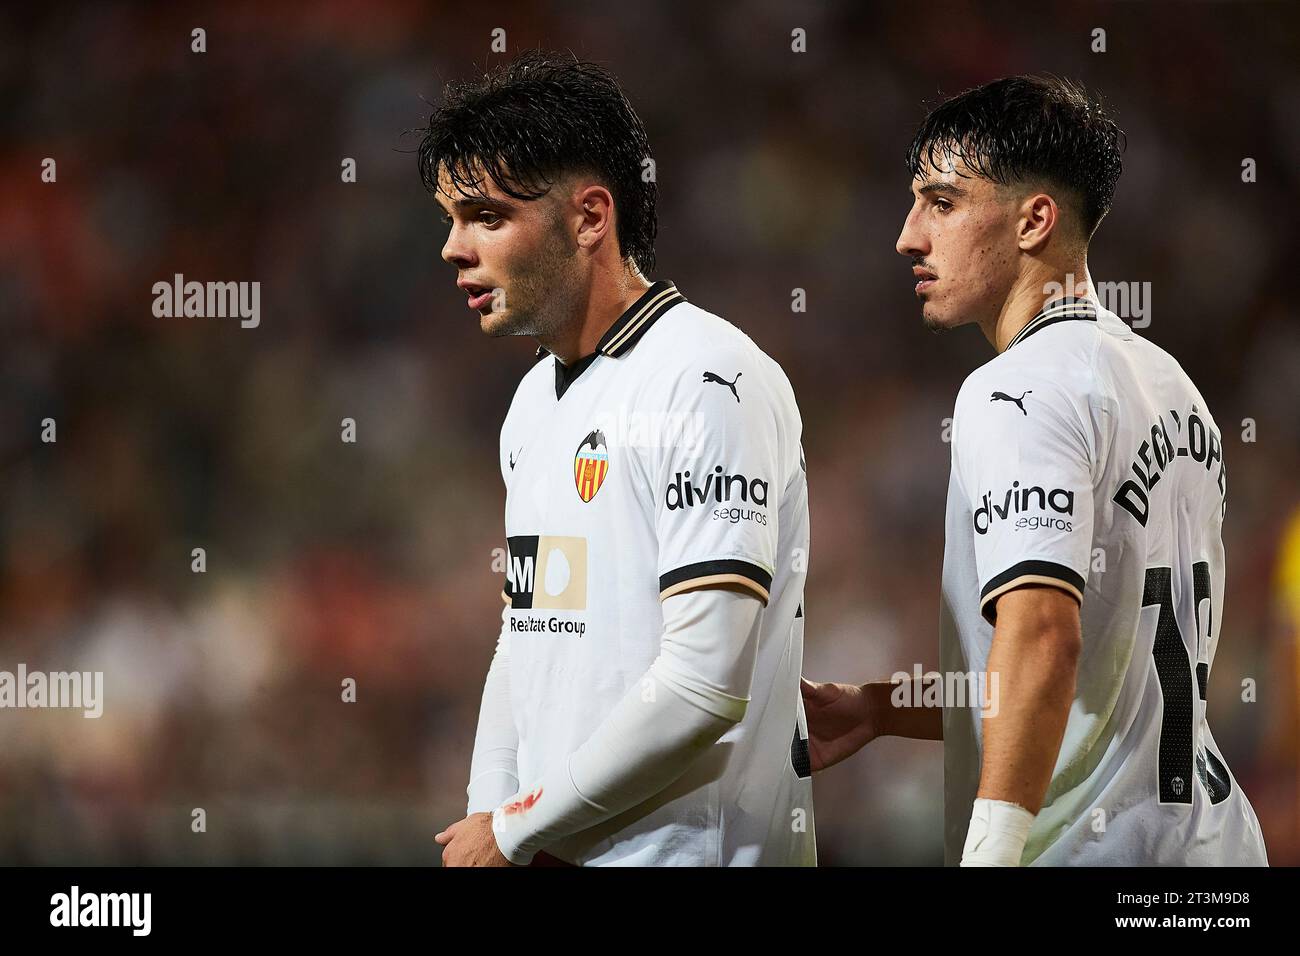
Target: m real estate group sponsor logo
x=546 y=572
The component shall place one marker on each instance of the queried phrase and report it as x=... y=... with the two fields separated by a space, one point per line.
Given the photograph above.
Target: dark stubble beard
x=544 y=289
x=932 y=325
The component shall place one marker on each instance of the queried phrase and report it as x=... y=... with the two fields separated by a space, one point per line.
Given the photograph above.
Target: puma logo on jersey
x=714 y=377
x=1019 y=402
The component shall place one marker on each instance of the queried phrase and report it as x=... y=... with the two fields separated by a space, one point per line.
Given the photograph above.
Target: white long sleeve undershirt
x=696 y=689
x=493 y=770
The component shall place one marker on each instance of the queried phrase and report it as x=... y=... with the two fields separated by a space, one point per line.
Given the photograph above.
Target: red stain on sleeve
x=524 y=805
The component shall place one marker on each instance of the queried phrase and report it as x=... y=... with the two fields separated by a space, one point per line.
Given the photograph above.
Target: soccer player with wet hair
x=1083 y=574
x=642 y=705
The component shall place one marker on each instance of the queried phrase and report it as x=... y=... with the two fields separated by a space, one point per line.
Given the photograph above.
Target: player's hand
x=840 y=722
x=471 y=842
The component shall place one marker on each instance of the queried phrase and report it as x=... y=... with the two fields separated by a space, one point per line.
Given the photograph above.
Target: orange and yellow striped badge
x=590 y=465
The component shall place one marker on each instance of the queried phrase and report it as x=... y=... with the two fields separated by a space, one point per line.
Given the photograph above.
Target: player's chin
x=495 y=322
x=936 y=320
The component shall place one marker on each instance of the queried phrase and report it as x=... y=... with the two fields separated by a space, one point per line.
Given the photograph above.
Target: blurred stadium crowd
x=373 y=560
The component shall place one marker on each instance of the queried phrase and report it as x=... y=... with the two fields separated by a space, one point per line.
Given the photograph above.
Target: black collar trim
x=639 y=316
x=623 y=334
x=566 y=375
x=1068 y=309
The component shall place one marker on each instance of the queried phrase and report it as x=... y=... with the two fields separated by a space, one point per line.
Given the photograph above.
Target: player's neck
x=1030 y=295
x=608 y=297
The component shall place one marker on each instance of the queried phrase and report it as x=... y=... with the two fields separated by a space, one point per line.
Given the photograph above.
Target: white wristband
x=997 y=834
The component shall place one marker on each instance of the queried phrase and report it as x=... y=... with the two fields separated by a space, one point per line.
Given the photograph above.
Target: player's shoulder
x=689 y=343
x=1154 y=362
x=1056 y=369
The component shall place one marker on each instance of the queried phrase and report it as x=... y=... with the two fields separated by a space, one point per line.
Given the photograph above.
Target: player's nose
x=911 y=241
x=457 y=251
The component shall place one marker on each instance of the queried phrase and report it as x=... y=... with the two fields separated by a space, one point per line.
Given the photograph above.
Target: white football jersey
x=1083 y=457
x=669 y=459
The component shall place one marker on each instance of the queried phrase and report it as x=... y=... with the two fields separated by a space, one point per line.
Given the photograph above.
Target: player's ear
x=1039 y=218
x=595 y=210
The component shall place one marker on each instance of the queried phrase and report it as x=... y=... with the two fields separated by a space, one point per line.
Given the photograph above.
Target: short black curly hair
x=539 y=117
x=1026 y=129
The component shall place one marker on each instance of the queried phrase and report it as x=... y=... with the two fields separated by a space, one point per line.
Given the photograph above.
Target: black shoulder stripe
x=1038 y=569
x=707 y=569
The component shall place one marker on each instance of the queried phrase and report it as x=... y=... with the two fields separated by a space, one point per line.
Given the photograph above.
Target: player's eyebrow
x=935 y=186
x=475 y=202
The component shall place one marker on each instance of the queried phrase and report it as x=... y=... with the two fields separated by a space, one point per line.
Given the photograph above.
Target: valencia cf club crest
x=591 y=465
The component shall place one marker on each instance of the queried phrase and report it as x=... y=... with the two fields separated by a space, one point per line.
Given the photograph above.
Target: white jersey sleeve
x=718 y=486
x=1023 y=460
x=493 y=769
